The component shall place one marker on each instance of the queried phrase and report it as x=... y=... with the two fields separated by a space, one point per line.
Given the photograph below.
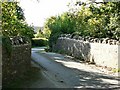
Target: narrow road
x=66 y=73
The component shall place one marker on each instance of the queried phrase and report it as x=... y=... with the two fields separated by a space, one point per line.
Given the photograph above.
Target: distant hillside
x=36 y=28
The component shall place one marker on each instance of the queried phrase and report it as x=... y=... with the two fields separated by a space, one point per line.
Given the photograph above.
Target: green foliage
x=53 y=38
x=13 y=21
x=59 y=25
x=6 y=43
x=46 y=33
x=39 y=42
x=99 y=21
x=39 y=35
x=116 y=70
x=63 y=23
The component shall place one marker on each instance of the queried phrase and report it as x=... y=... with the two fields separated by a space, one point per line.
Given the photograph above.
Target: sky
x=36 y=12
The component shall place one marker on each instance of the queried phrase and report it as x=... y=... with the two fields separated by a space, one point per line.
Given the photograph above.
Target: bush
x=39 y=42
x=55 y=26
x=52 y=40
x=39 y=35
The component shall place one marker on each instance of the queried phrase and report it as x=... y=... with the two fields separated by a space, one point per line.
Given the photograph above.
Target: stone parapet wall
x=102 y=54
x=92 y=39
x=16 y=62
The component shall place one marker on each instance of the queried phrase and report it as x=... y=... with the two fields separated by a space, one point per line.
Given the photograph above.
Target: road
x=63 y=72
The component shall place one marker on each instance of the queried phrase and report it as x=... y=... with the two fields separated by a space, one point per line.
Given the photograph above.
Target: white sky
x=36 y=13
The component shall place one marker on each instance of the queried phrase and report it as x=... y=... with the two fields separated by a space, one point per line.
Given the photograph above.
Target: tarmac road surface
x=65 y=73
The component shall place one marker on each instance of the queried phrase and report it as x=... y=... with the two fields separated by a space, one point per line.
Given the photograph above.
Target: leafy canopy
x=13 y=21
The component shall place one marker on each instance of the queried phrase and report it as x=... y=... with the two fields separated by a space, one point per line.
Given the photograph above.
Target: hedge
x=39 y=42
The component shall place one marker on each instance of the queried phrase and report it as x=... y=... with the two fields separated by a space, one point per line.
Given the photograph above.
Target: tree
x=13 y=21
x=99 y=20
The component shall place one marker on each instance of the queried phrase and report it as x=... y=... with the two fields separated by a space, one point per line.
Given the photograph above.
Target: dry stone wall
x=17 y=62
x=102 y=52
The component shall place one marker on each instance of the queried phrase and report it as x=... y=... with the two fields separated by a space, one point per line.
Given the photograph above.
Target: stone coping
x=91 y=39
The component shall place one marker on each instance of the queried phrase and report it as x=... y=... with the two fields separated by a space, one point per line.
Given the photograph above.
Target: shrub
x=59 y=25
x=39 y=35
x=39 y=42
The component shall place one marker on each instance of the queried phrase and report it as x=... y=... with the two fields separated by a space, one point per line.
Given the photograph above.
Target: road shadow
x=93 y=80
x=79 y=78
x=32 y=79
